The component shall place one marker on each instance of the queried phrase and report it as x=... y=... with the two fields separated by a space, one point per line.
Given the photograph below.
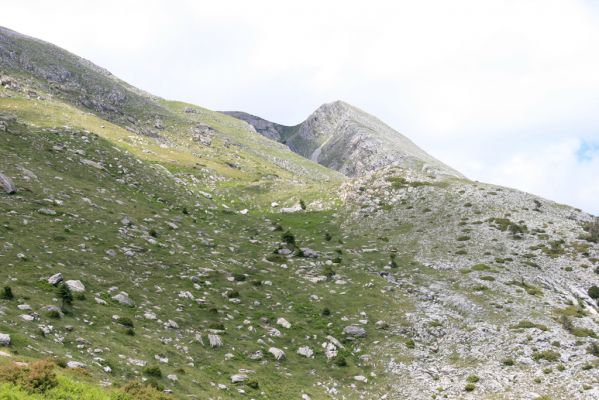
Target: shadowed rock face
x=349 y=140
x=265 y=128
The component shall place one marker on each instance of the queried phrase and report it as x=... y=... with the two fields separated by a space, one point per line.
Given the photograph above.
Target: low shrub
x=37 y=377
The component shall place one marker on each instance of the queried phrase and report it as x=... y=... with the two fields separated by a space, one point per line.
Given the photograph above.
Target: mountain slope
x=349 y=140
x=50 y=86
x=407 y=281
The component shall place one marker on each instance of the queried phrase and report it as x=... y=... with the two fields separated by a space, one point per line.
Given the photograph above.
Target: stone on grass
x=278 y=354
x=171 y=324
x=381 y=325
x=309 y=253
x=215 y=340
x=4 y=339
x=47 y=211
x=7 y=184
x=284 y=323
x=305 y=351
x=330 y=350
x=290 y=210
x=150 y=315
x=361 y=378
x=124 y=299
x=55 y=279
x=239 y=378
x=76 y=365
x=354 y=331
x=76 y=286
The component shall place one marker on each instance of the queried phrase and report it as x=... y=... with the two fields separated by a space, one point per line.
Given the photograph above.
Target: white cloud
x=484 y=86
x=554 y=170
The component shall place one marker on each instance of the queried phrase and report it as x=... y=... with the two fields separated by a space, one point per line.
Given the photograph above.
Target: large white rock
x=76 y=365
x=284 y=323
x=290 y=210
x=305 y=351
x=277 y=353
x=75 y=286
x=4 y=339
x=123 y=298
x=239 y=378
x=355 y=331
x=330 y=350
x=215 y=340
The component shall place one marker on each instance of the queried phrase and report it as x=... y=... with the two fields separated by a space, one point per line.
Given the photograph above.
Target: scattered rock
x=354 y=331
x=330 y=350
x=237 y=378
x=307 y=252
x=305 y=351
x=4 y=339
x=290 y=210
x=55 y=279
x=47 y=211
x=150 y=315
x=7 y=184
x=76 y=365
x=284 y=323
x=214 y=340
x=91 y=163
x=278 y=354
x=171 y=324
x=381 y=325
x=75 y=286
x=124 y=299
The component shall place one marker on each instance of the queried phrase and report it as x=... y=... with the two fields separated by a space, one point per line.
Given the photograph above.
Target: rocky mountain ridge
x=349 y=140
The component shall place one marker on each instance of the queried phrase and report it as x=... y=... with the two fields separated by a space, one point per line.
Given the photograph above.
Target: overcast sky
x=507 y=92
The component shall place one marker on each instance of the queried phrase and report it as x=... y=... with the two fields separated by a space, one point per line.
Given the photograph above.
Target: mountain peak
x=345 y=138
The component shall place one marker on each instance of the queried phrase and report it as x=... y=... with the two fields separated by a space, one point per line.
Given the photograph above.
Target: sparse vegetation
x=548 y=355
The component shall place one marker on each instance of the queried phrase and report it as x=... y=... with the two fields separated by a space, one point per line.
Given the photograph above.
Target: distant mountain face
x=349 y=140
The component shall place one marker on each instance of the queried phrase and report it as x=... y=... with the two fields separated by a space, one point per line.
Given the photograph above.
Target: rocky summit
x=155 y=249
x=344 y=138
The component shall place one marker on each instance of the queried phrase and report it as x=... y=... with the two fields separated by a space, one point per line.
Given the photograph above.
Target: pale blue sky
x=505 y=91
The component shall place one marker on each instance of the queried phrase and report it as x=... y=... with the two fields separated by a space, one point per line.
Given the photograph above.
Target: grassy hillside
x=99 y=209
x=400 y=283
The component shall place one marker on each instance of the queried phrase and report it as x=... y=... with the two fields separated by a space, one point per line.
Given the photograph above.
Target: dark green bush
x=152 y=370
x=125 y=321
x=340 y=361
x=288 y=238
x=7 y=293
